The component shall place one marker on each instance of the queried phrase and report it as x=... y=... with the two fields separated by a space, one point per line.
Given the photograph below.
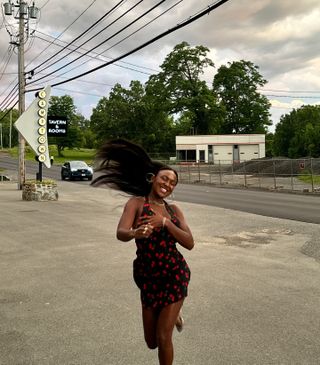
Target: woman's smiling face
x=164 y=183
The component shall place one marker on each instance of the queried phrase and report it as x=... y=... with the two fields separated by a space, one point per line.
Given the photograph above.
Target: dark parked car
x=76 y=170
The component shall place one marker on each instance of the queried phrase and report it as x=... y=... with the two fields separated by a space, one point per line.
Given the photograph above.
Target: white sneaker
x=179 y=323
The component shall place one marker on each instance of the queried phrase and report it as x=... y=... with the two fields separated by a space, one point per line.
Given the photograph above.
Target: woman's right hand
x=143 y=231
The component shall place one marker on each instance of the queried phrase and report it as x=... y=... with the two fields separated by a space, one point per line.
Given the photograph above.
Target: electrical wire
x=9 y=101
x=79 y=92
x=14 y=80
x=145 y=44
x=4 y=101
x=8 y=55
x=292 y=97
x=81 y=35
x=123 y=39
x=8 y=111
x=100 y=54
x=121 y=16
x=290 y=91
x=145 y=25
x=79 y=16
x=44 y=5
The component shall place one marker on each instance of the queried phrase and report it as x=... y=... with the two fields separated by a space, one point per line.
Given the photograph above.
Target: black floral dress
x=160 y=271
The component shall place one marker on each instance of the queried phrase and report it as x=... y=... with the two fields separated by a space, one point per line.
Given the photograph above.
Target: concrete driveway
x=67 y=294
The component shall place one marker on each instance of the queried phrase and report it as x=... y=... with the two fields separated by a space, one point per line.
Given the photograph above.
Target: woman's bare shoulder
x=135 y=201
x=175 y=208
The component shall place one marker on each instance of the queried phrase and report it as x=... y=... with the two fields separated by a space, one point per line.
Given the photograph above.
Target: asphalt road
x=299 y=207
x=67 y=296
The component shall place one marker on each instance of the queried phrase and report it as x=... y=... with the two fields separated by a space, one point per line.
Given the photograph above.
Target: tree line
x=176 y=101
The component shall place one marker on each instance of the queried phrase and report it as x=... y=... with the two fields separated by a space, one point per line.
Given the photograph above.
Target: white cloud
x=281 y=37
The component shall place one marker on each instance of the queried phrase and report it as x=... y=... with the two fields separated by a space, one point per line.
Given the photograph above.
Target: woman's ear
x=150 y=177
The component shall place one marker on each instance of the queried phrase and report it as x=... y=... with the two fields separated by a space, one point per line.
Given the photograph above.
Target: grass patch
x=307 y=179
x=82 y=154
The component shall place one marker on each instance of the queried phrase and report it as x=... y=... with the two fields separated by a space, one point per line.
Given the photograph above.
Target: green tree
x=247 y=111
x=14 y=115
x=63 y=106
x=179 y=91
x=269 y=144
x=298 y=133
x=129 y=113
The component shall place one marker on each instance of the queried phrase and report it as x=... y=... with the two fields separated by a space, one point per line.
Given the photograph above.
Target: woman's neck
x=155 y=200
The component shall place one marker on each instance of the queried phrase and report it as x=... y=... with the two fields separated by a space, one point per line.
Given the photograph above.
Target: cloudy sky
x=280 y=36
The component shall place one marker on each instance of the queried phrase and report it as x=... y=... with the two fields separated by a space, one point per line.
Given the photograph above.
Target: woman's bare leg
x=166 y=322
x=150 y=319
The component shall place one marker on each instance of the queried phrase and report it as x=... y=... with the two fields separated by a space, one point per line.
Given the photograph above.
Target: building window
x=186 y=155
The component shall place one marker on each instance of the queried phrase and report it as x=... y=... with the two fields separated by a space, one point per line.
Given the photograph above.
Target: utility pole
x=23 y=13
x=1 y=141
x=22 y=84
x=10 y=129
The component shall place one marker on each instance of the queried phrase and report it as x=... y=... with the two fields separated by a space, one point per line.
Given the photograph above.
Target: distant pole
x=1 y=142
x=10 y=129
x=24 y=12
x=22 y=84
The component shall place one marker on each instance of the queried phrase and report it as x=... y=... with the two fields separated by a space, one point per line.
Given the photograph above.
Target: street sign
x=57 y=126
x=32 y=125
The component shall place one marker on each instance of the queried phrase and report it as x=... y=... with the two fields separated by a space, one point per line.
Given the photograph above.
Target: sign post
x=32 y=125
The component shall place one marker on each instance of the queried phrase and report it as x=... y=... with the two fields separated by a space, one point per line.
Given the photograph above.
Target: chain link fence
x=271 y=174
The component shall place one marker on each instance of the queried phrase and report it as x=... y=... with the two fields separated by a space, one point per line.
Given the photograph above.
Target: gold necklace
x=156 y=203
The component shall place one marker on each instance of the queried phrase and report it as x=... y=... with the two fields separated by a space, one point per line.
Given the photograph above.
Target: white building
x=226 y=148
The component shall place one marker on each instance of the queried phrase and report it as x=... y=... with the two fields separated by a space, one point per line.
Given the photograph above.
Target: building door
x=236 y=156
x=202 y=155
x=210 y=153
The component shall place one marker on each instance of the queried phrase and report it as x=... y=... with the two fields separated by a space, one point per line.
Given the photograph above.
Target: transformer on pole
x=22 y=11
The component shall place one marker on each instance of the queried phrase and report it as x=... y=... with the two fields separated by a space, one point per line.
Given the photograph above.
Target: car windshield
x=78 y=165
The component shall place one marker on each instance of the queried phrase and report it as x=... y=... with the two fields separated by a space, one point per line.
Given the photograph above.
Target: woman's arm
x=182 y=233
x=126 y=230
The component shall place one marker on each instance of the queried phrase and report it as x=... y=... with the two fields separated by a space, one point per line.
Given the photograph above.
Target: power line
x=79 y=92
x=9 y=101
x=290 y=91
x=134 y=21
x=161 y=35
x=145 y=25
x=8 y=111
x=5 y=101
x=8 y=55
x=78 y=37
x=125 y=38
x=100 y=54
x=79 y=16
x=292 y=97
x=13 y=81
x=44 y=5
x=76 y=59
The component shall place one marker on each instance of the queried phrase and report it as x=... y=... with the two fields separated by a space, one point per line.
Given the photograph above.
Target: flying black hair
x=126 y=166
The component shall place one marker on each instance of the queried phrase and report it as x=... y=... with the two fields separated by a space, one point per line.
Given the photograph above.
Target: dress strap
x=146 y=201
x=169 y=209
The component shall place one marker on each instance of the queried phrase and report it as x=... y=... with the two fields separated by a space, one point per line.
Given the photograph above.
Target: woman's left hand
x=155 y=220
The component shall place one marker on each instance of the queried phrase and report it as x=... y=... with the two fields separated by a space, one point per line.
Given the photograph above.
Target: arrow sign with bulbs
x=32 y=125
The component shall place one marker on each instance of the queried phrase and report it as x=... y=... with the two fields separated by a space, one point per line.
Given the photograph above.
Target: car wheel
x=90 y=178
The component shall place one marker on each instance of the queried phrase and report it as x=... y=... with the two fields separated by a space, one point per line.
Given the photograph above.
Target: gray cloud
x=281 y=37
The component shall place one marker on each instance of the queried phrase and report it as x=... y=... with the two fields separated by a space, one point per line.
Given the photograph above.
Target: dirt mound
x=281 y=167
